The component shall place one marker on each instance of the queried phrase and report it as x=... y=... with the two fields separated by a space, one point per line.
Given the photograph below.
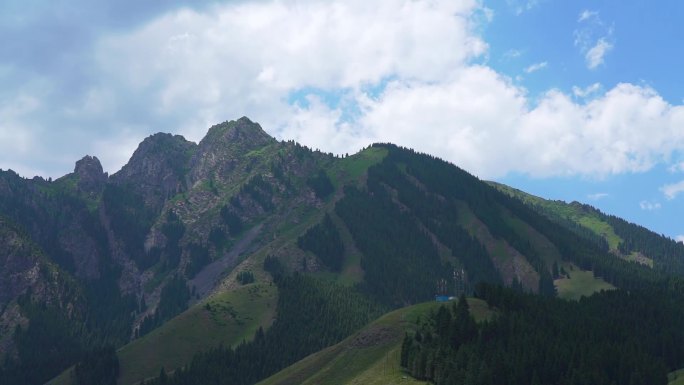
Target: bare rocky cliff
x=157 y=169
x=224 y=148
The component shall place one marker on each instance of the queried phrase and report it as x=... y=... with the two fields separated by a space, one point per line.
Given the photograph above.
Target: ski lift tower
x=460 y=282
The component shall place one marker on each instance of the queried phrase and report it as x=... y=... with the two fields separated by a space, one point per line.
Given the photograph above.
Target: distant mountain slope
x=414 y=219
x=627 y=240
x=182 y=222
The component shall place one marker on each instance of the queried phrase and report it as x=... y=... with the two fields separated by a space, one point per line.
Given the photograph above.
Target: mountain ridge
x=180 y=222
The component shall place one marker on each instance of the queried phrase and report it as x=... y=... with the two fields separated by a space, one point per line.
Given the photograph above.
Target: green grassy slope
x=580 y=283
x=676 y=377
x=508 y=261
x=226 y=318
x=371 y=356
x=235 y=314
x=565 y=210
x=354 y=166
x=575 y=213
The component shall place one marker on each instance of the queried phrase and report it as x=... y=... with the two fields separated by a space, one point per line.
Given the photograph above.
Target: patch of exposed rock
x=157 y=168
x=224 y=148
x=91 y=176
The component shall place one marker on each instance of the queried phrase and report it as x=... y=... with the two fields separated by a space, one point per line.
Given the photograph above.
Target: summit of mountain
x=157 y=168
x=223 y=149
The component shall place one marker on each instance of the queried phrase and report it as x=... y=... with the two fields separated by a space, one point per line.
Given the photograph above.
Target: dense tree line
x=321 y=184
x=273 y=266
x=325 y=242
x=231 y=220
x=433 y=188
x=88 y=314
x=613 y=337
x=173 y=300
x=583 y=232
x=260 y=191
x=173 y=229
x=53 y=340
x=438 y=215
x=198 y=258
x=98 y=367
x=230 y=226
x=49 y=345
x=667 y=254
x=312 y=314
x=245 y=277
x=450 y=182
x=131 y=221
x=588 y=255
x=400 y=262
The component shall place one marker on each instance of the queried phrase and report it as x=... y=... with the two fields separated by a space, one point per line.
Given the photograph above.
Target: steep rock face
x=25 y=267
x=19 y=262
x=25 y=271
x=56 y=216
x=91 y=177
x=224 y=148
x=157 y=168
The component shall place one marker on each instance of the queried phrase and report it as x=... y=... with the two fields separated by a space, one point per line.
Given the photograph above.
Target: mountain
x=626 y=240
x=191 y=249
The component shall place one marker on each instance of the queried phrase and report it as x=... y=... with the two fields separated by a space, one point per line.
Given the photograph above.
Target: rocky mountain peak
x=91 y=176
x=157 y=168
x=88 y=166
x=224 y=147
x=242 y=132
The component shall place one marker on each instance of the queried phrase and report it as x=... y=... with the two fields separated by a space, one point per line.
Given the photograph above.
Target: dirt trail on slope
x=209 y=277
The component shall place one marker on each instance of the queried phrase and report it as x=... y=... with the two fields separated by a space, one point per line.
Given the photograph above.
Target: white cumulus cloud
x=677 y=167
x=586 y=91
x=596 y=54
x=672 y=190
x=340 y=75
x=586 y=15
x=594 y=38
x=397 y=71
x=597 y=196
x=536 y=67
x=649 y=206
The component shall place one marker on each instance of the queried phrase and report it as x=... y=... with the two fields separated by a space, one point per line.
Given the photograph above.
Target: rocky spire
x=91 y=176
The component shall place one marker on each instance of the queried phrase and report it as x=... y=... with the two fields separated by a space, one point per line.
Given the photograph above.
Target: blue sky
x=536 y=42
x=574 y=100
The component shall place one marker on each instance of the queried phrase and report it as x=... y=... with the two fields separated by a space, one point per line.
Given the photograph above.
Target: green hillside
x=562 y=210
x=676 y=377
x=370 y=356
x=222 y=319
x=579 y=283
x=405 y=225
x=388 y=226
x=587 y=217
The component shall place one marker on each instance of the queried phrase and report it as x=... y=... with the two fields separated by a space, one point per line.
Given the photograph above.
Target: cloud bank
x=335 y=76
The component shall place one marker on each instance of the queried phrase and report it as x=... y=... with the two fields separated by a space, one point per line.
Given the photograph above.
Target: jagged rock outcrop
x=157 y=168
x=91 y=176
x=226 y=146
